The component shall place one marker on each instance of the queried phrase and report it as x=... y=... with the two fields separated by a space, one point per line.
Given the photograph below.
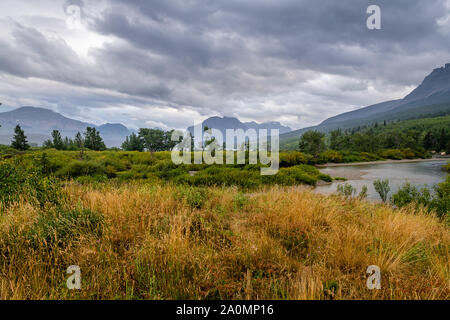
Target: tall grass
x=149 y=241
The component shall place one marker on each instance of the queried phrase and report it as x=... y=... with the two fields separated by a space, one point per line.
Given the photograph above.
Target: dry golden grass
x=157 y=242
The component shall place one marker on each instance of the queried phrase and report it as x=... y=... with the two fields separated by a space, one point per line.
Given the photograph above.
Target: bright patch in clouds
x=170 y=63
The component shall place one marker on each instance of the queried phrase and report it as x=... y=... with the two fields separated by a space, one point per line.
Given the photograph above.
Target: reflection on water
x=419 y=174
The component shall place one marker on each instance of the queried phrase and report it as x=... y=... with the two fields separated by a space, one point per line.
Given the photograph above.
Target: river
x=419 y=174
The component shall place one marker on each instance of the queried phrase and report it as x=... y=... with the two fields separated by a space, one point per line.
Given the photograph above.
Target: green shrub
x=240 y=200
x=382 y=188
x=393 y=154
x=60 y=227
x=410 y=194
x=19 y=182
x=78 y=168
x=346 y=190
x=363 y=194
x=447 y=167
x=193 y=196
x=289 y=159
x=325 y=177
x=441 y=201
x=330 y=156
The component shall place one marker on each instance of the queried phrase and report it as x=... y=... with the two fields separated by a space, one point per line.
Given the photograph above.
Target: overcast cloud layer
x=168 y=63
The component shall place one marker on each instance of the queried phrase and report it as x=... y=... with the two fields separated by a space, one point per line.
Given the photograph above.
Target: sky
x=169 y=63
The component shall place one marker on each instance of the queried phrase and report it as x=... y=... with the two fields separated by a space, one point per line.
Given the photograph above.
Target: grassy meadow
x=140 y=227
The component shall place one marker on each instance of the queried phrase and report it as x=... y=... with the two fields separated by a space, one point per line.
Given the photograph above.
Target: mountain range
x=430 y=98
x=223 y=123
x=38 y=123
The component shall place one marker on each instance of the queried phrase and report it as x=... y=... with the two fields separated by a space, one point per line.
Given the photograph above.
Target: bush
x=79 y=168
x=194 y=197
x=441 y=201
x=363 y=194
x=447 y=167
x=289 y=159
x=346 y=190
x=382 y=188
x=393 y=154
x=30 y=184
x=60 y=227
x=410 y=194
x=301 y=174
x=330 y=156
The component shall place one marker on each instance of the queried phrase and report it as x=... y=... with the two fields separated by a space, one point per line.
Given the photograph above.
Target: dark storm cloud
x=289 y=59
x=312 y=34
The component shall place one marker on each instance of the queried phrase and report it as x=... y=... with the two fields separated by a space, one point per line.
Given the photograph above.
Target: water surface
x=419 y=174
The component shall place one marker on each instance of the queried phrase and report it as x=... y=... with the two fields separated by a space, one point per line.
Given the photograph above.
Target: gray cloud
x=294 y=61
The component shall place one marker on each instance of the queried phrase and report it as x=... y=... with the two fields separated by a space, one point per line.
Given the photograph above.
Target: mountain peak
x=436 y=83
x=38 y=123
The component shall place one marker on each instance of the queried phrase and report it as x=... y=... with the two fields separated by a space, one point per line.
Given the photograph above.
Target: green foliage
x=133 y=143
x=78 y=168
x=19 y=141
x=419 y=135
x=382 y=188
x=60 y=227
x=447 y=167
x=193 y=196
x=292 y=158
x=410 y=194
x=240 y=200
x=19 y=182
x=346 y=190
x=156 y=139
x=312 y=142
x=93 y=140
x=57 y=142
x=363 y=194
x=441 y=201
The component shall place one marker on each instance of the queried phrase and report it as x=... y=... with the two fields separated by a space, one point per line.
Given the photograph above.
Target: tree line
x=146 y=139
x=151 y=139
x=375 y=138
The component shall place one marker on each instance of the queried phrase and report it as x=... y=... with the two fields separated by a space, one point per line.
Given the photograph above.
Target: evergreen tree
x=19 y=141
x=93 y=140
x=428 y=141
x=442 y=143
x=57 y=141
x=312 y=142
x=79 y=141
x=133 y=143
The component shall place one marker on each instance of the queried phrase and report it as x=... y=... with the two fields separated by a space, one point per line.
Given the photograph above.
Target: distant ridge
x=431 y=97
x=38 y=123
x=223 y=123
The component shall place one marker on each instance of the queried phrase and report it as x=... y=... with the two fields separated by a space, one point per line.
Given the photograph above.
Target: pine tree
x=442 y=140
x=19 y=141
x=428 y=141
x=133 y=143
x=79 y=141
x=93 y=140
x=57 y=141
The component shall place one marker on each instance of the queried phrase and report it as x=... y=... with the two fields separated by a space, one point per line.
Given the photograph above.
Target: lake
x=419 y=174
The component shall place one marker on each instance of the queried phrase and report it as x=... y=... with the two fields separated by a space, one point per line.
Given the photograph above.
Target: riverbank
x=379 y=162
x=420 y=174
